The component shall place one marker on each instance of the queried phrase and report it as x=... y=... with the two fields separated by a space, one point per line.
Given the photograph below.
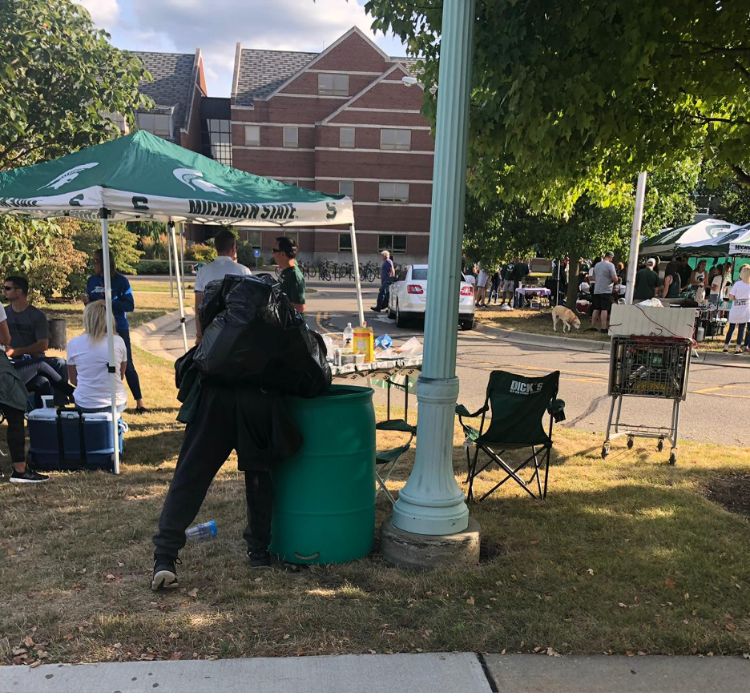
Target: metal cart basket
x=652 y=367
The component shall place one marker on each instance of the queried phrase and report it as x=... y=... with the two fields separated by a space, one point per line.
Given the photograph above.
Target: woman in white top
x=88 y=358
x=739 y=314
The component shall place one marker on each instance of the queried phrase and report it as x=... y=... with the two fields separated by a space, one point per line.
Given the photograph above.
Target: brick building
x=342 y=120
x=177 y=89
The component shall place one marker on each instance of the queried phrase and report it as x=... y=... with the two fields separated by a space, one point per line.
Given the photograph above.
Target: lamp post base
x=412 y=551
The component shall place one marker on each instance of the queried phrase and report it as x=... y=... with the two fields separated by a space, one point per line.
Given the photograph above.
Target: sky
x=215 y=26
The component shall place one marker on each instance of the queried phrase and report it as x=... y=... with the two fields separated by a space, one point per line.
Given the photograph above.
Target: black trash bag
x=257 y=338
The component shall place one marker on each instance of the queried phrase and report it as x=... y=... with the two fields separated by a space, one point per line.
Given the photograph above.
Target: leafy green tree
x=574 y=98
x=59 y=77
x=42 y=251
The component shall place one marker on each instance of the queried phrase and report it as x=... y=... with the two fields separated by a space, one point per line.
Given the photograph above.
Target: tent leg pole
x=103 y=214
x=357 y=281
x=169 y=258
x=178 y=278
x=635 y=236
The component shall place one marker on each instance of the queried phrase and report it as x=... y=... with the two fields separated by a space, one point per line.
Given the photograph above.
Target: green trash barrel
x=324 y=496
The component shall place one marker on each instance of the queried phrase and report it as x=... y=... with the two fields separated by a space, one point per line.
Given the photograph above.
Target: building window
x=333 y=84
x=252 y=135
x=346 y=187
x=157 y=124
x=394 y=243
x=395 y=139
x=345 y=242
x=219 y=138
x=346 y=137
x=291 y=137
x=393 y=192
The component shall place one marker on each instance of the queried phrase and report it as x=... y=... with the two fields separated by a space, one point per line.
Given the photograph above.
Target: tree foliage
x=42 y=251
x=572 y=99
x=59 y=77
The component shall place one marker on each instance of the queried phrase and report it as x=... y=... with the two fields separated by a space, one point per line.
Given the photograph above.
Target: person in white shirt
x=225 y=263
x=739 y=314
x=88 y=360
x=481 y=290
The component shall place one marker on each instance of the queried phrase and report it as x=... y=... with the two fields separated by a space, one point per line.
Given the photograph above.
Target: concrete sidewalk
x=405 y=673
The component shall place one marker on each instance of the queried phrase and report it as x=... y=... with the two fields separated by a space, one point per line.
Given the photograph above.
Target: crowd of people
x=498 y=282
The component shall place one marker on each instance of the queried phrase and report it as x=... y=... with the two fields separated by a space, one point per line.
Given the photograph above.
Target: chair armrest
x=463 y=412
x=556 y=409
x=396 y=424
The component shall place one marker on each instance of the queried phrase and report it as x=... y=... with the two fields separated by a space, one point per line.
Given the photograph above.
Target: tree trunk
x=570 y=298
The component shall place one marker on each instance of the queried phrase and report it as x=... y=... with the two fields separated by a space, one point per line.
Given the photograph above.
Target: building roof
x=173 y=83
x=262 y=71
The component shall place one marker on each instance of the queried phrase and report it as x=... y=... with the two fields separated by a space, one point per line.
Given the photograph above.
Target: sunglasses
x=8 y=288
x=275 y=250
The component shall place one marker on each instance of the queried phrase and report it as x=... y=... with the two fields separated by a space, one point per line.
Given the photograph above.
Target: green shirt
x=293 y=284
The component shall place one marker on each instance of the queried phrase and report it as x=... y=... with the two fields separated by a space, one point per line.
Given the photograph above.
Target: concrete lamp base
x=411 y=551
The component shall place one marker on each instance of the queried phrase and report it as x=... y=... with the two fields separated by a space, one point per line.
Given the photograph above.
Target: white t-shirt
x=740 y=311
x=482 y=279
x=90 y=359
x=216 y=269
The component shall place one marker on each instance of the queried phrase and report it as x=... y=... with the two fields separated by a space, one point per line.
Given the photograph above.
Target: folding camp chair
x=518 y=405
x=387 y=460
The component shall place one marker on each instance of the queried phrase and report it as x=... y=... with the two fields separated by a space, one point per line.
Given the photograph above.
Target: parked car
x=408 y=297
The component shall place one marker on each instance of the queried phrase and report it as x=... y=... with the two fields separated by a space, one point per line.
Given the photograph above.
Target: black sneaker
x=375 y=309
x=259 y=559
x=165 y=574
x=27 y=477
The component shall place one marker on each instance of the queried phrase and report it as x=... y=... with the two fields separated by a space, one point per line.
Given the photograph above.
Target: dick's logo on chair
x=525 y=388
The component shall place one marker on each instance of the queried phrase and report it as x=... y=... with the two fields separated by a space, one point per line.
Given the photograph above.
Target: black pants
x=42 y=385
x=208 y=442
x=131 y=376
x=15 y=435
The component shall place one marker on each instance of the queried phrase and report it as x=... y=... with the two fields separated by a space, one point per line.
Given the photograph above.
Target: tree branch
x=707 y=120
x=743 y=177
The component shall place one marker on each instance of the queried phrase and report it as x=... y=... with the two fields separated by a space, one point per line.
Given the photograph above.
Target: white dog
x=568 y=318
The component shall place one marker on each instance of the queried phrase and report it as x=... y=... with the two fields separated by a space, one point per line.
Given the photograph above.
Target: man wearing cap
x=605 y=277
x=291 y=277
x=646 y=282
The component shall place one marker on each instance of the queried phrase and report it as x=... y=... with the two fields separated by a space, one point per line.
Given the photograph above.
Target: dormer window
x=157 y=124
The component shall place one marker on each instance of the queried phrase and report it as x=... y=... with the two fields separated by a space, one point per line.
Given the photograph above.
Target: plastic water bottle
x=348 y=336
x=202 y=532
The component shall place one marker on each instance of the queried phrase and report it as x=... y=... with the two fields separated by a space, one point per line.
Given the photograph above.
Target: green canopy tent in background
x=143 y=177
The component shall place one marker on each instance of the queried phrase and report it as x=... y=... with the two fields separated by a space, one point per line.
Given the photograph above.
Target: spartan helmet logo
x=194 y=178
x=68 y=176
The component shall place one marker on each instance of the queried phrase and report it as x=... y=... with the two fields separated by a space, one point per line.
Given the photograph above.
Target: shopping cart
x=651 y=367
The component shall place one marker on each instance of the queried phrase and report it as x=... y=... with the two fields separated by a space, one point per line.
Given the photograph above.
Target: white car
x=408 y=297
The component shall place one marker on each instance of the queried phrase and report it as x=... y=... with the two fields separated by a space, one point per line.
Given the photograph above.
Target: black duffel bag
x=253 y=335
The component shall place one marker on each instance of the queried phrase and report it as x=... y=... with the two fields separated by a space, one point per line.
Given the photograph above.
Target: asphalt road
x=716 y=409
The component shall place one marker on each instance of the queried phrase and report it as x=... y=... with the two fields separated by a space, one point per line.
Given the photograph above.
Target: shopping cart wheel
x=673 y=458
x=630 y=443
x=605 y=451
x=660 y=445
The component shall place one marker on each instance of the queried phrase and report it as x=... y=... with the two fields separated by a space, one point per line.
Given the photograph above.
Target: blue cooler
x=71 y=440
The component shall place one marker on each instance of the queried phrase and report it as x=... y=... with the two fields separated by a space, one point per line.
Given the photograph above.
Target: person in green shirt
x=646 y=281
x=290 y=275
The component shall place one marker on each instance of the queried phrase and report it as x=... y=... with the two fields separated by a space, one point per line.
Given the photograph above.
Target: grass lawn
x=152 y=299
x=625 y=556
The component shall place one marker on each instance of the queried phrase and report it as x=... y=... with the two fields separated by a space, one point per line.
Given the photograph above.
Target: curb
x=550 y=341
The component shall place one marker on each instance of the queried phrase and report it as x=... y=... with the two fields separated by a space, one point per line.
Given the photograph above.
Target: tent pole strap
x=103 y=215
x=357 y=280
x=178 y=276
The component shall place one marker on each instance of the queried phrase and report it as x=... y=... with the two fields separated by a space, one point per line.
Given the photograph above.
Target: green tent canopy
x=141 y=176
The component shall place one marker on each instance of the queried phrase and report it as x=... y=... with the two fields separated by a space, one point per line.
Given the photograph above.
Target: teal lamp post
x=431 y=502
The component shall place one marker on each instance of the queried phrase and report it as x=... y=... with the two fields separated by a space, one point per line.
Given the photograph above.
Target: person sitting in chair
x=88 y=360
x=29 y=340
